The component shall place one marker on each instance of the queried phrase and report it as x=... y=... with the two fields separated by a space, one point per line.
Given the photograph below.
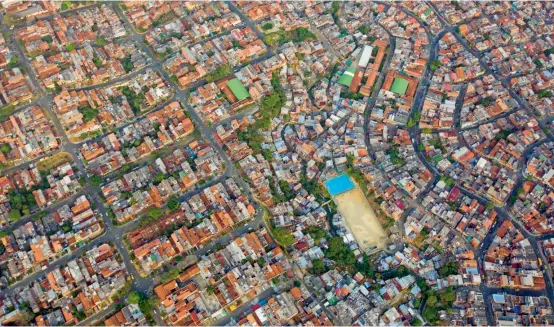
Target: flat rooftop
x=238 y=89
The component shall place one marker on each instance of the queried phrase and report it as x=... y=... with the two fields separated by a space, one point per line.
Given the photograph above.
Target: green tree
x=97 y=61
x=335 y=247
x=486 y=101
x=448 y=297
x=450 y=268
x=88 y=113
x=544 y=94
x=134 y=99
x=218 y=73
x=283 y=236
x=127 y=63
x=502 y=134
x=364 y=29
x=394 y=156
x=47 y=39
x=448 y=180
x=5 y=148
x=14 y=61
x=173 y=203
x=155 y=212
x=435 y=64
x=366 y=267
x=25 y=210
x=301 y=34
x=432 y=300
x=318 y=267
x=146 y=306
x=340 y=252
x=67 y=226
x=95 y=180
x=275 y=38
x=169 y=276
x=316 y=233
x=134 y=297
x=159 y=178
x=285 y=188
x=267 y=155
x=335 y=8
x=14 y=215
x=101 y=41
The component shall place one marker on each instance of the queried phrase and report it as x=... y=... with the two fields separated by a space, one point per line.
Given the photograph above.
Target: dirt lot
x=360 y=219
x=54 y=161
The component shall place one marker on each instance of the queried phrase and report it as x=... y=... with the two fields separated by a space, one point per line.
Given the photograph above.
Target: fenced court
x=358 y=215
x=339 y=184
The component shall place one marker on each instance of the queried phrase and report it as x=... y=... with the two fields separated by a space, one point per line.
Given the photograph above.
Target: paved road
x=417 y=106
x=233 y=317
x=99 y=316
x=378 y=84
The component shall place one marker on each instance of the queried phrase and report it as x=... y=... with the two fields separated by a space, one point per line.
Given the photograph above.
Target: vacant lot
x=360 y=219
x=54 y=161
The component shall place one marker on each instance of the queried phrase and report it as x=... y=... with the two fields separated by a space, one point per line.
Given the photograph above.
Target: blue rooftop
x=339 y=184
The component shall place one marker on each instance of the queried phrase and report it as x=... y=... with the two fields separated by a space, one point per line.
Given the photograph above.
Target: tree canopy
x=134 y=297
x=95 y=180
x=173 y=203
x=218 y=73
x=88 y=113
x=283 y=236
x=155 y=212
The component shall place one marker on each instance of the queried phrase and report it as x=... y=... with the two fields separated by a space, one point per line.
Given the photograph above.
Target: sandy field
x=360 y=219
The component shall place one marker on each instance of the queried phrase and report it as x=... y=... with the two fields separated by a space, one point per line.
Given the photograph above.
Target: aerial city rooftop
x=252 y=163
